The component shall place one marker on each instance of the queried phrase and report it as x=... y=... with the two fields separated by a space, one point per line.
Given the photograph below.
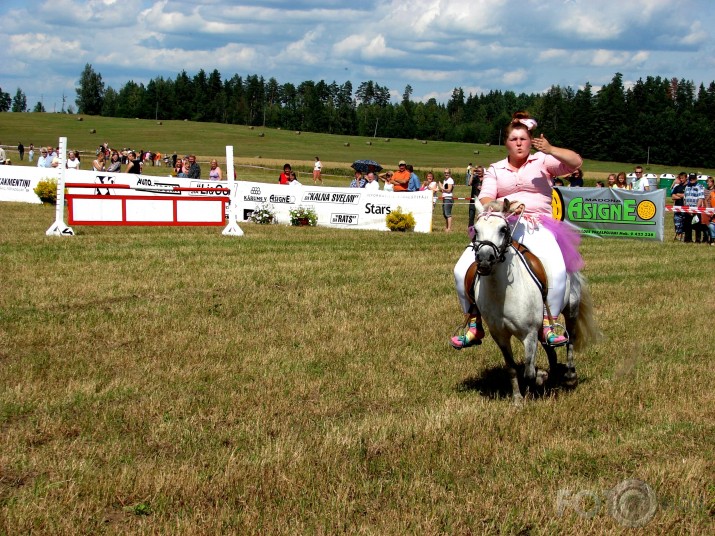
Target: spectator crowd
x=686 y=191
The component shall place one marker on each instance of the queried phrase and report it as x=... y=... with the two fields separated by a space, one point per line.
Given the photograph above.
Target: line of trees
x=657 y=120
x=17 y=104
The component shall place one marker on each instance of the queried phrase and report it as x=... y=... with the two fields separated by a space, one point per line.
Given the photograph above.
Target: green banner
x=611 y=212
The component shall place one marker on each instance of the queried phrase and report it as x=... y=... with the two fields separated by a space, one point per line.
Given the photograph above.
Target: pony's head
x=492 y=235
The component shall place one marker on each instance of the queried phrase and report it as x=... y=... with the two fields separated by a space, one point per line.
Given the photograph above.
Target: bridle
x=499 y=251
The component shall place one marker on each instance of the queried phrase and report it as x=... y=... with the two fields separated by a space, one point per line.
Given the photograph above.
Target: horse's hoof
x=571 y=378
x=542 y=377
x=517 y=400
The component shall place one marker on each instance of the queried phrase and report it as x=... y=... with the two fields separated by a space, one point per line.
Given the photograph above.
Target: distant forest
x=659 y=120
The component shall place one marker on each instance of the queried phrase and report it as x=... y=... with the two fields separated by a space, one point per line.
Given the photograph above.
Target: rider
x=526 y=179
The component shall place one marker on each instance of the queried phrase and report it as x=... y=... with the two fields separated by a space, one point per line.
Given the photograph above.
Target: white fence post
x=232 y=228
x=59 y=228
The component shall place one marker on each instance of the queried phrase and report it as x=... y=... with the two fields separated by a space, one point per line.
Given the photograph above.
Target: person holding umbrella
x=359 y=181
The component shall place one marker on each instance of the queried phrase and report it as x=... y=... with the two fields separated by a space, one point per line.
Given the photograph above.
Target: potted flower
x=400 y=221
x=265 y=214
x=46 y=190
x=301 y=215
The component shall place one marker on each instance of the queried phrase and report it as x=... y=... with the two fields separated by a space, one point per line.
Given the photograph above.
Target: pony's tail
x=586 y=329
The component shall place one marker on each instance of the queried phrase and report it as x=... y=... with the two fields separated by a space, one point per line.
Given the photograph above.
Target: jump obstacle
x=144 y=210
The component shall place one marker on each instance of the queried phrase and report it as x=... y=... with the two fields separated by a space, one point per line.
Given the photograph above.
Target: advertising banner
x=611 y=212
x=354 y=208
x=17 y=183
x=347 y=208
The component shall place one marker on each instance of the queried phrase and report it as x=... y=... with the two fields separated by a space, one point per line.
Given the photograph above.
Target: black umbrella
x=366 y=166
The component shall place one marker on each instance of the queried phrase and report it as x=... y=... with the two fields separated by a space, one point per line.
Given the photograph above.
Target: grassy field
x=299 y=381
x=253 y=152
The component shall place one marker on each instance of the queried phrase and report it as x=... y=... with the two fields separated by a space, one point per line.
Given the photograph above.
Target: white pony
x=510 y=300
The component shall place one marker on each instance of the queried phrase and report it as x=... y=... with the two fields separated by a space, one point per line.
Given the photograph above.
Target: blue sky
x=433 y=45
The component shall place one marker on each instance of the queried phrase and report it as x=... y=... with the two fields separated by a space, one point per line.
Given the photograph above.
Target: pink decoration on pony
x=568 y=238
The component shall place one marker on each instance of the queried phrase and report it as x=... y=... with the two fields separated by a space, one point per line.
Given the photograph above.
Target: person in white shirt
x=447 y=187
x=72 y=161
x=640 y=183
x=293 y=179
x=431 y=185
x=372 y=184
x=387 y=179
x=42 y=158
x=317 y=168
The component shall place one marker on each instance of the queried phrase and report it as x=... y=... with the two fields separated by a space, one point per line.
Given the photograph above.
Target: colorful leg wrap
x=473 y=336
x=549 y=336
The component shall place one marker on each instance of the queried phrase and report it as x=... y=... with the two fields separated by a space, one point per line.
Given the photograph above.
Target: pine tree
x=19 y=102
x=90 y=93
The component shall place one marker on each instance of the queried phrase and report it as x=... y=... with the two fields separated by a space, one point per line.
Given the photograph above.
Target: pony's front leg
x=505 y=347
x=531 y=344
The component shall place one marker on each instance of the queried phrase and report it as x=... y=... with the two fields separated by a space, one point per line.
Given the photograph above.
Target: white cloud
x=304 y=51
x=36 y=45
x=514 y=77
x=697 y=35
x=365 y=47
x=553 y=54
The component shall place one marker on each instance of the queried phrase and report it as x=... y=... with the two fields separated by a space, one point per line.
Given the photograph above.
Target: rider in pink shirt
x=530 y=184
x=525 y=179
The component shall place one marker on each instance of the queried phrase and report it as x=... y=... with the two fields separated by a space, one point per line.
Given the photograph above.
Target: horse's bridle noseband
x=499 y=251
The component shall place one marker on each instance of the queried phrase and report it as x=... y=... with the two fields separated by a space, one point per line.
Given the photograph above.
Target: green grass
x=299 y=381
x=272 y=150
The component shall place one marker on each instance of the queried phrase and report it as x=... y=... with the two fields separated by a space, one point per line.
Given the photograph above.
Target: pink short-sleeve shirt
x=531 y=183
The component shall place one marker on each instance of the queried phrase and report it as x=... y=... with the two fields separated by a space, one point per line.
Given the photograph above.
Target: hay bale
x=368 y=143
x=261 y=135
x=92 y=130
x=346 y=144
x=250 y=128
x=387 y=139
x=476 y=152
x=159 y=123
x=80 y=119
x=487 y=144
x=424 y=142
x=297 y=132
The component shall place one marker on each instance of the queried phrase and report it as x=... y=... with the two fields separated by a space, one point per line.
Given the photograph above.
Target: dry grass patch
x=299 y=380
